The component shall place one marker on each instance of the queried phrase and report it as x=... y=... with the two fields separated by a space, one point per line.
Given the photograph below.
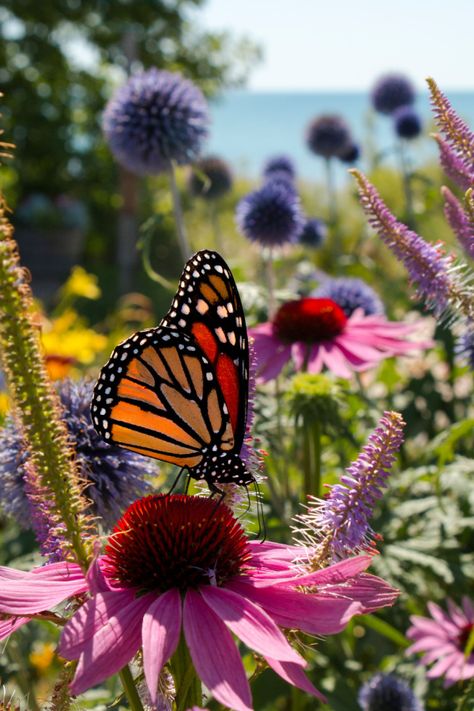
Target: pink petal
x=468 y=608
x=112 y=646
x=35 y=593
x=442 y=618
x=250 y=624
x=334 y=360
x=89 y=619
x=7 y=627
x=299 y=354
x=214 y=654
x=436 y=653
x=443 y=665
x=425 y=644
x=263 y=329
x=294 y=674
x=372 y=592
x=270 y=362
x=161 y=629
x=334 y=574
x=361 y=350
x=456 y=614
x=310 y=613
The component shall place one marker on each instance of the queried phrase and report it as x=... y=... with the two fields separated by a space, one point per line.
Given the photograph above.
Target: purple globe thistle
x=407 y=122
x=271 y=215
x=386 y=692
x=392 y=91
x=350 y=154
x=314 y=233
x=464 y=348
x=279 y=166
x=155 y=118
x=212 y=179
x=350 y=294
x=328 y=136
x=114 y=477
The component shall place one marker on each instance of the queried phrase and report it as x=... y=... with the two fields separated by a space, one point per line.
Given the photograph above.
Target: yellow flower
x=68 y=336
x=42 y=656
x=81 y=283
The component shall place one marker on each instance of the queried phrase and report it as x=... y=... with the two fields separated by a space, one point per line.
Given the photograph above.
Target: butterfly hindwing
x=207 y=307
x=158 y=396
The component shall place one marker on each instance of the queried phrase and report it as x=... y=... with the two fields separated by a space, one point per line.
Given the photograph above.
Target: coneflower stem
x=178 y=215
x=186 y=681
x=317 y=451
x=130 y=689
x=270 y=283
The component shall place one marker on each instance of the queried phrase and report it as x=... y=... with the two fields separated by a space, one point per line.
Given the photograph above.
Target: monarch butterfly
x=179 y=392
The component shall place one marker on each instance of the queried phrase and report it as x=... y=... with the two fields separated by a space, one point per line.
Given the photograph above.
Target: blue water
x=248 y=127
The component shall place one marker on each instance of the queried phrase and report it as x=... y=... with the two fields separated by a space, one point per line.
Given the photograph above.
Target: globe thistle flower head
x=155 y=118
x=407 y=122
x=272 y=215
x=114 y=477
x=386 y=692
x=212 y=179
x=328 y=136
x=279 y=166
x=350 y=154
x=392 y=91
x=314 y=233
x=350 y=294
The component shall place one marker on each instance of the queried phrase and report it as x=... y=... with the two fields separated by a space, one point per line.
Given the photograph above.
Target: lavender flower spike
x=460 y=220
x=457 y=133
x=438 y=279
x=338 y=526
x=453 y=165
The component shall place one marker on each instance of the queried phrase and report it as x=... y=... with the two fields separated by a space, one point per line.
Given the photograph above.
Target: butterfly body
x=179 y=392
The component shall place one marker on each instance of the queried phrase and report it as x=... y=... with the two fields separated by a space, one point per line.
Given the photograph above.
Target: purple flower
x=392 y=91
x=350 y=294
x=155 y=118
x=386 y=692
x=461 y=222
x=114 y=477
x=428 y=267
x=456 y=132
x=271 y=215
x=464 y=348
x=454 y=166
x=314 y=233
x=407 y=122
x=339 y=524
x=281 y=166
x=350 y=154
x=212 y=179
x=328 y=136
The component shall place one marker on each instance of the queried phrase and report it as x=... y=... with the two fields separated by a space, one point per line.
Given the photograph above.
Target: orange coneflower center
x=309 y=320
x=175 y=541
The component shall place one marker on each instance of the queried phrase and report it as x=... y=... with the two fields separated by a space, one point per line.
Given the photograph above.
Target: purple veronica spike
x=456 y=132
x=454 y=167
x=437 y=278
x=155 y=118
x=49 y=532
x=461 y=222
x=386 y=692
x=339 y=524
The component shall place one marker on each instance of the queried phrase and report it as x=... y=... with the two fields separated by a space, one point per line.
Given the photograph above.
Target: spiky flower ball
x=155 y=118
x=328 y=136
x=351 y=154
x=350 y=294
x=279 y=166
x=210 y=179
x=386 y=692
x=407 y=122
x=314 y=233
x=272 y=215
x=114 y=477
x=392 y=91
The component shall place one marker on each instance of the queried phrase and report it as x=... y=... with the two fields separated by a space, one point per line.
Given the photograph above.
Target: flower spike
x=461 y=220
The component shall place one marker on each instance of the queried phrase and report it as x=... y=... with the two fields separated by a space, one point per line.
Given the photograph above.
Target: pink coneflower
x=316 y=333
x=182 y=564
x=444 y=640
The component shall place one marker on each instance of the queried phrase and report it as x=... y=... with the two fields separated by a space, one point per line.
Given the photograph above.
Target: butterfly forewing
x=158 y=395
x=207 y=307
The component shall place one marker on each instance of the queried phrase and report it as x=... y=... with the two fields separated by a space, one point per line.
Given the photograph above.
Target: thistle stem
x=270 y=273
x=410 y=215
x=130 y=689
x=187 y=683
x=216 y=226
x=178 y=215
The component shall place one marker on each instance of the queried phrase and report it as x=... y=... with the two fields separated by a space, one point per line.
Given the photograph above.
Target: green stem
x=130 y=689
x=317 y=452
x=410 y=214
x=24 y=683
x=307 y=464
x=216 y=226
x=187 y=683
x=270 y=283
x=178 y=215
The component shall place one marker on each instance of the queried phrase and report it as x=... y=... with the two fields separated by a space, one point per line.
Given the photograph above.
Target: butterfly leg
x=176 y=481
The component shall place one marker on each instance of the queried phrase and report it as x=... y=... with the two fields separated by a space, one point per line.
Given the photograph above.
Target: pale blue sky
x=347 y=44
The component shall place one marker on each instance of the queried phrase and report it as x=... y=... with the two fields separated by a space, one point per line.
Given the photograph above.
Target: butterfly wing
x=207 y=307
x=158 y=396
